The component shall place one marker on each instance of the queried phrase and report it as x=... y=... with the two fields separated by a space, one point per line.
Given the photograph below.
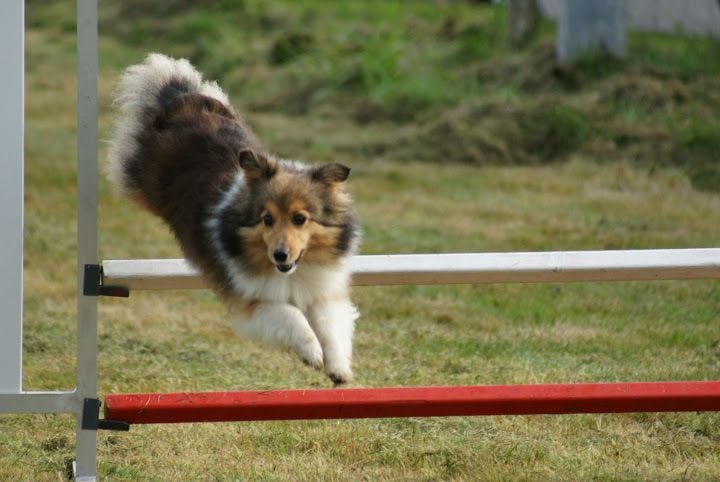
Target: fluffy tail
x=142 y=96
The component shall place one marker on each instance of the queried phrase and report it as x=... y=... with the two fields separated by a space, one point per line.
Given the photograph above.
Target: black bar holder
x=91 y=418
x=92 y=284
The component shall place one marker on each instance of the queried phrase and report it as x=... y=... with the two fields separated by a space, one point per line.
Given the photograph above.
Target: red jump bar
x=413 y=402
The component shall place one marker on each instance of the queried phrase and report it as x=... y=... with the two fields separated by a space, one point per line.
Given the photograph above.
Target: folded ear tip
x=344 y=171
x=330 y=173
x=256 y=164
x=247 y=157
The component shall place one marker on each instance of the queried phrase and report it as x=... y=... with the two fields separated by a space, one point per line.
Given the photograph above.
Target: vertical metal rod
x=87 y=246
x=11 y=196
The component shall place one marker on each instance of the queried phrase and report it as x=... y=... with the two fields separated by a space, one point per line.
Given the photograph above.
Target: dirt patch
x=644 y=91
x=497 y=132
x=603 y=111
x=537 y=70
x=640 y=143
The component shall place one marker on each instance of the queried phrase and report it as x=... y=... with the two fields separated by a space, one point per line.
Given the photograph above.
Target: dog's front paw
x=339 y=376
x=339 y=380
x=311 y=353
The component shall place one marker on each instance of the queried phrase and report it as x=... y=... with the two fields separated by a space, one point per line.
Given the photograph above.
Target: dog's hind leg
x=334 y=324
x=279 y=324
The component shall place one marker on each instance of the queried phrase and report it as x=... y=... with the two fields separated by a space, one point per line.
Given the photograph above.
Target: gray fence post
x=586 y=26
x=87 y=227
x=11 y=196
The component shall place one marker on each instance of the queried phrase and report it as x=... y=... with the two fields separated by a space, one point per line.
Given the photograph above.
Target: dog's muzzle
x=286 y=268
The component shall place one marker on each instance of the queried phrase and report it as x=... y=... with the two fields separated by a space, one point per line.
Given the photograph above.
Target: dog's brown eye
x=268 y=220
x=299 y=219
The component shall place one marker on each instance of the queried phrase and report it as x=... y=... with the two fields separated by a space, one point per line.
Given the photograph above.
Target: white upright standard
x=11 y=197
x=13 y=399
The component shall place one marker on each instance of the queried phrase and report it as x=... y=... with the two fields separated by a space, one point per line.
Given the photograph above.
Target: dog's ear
x=256 y=165
x=330 y=173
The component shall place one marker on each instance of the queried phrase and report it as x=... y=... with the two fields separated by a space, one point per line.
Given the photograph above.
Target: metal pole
x=11 y=196
x=87 y=251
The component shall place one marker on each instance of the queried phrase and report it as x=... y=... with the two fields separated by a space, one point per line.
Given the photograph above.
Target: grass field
x=456 y=144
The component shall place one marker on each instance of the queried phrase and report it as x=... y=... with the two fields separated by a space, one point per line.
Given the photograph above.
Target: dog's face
x=305 y=213
x=286 y=233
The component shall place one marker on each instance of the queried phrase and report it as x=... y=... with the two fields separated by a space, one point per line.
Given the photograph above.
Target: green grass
x=504 y=199
x=416 y=65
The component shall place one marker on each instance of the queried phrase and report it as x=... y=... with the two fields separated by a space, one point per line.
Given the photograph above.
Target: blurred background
x=446 y=81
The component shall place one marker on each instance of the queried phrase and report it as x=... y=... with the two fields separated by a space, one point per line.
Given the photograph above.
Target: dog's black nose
x=280 y=256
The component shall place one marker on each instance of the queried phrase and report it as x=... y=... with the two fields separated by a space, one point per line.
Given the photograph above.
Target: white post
x=586 y=26
x=11 y=195
x=87 y=250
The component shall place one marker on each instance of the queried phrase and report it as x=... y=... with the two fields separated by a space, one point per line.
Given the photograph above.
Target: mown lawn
x=493 y=334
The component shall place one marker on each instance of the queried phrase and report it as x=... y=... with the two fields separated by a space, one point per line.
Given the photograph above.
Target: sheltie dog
x=273 y=237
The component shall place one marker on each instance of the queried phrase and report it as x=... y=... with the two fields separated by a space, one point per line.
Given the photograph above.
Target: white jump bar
x=460 y=268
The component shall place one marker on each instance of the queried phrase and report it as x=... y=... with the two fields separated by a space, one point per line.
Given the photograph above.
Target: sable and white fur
x=272 y=236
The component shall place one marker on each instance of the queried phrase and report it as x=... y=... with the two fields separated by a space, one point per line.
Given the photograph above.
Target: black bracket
x=92 y=284
x=91 y=418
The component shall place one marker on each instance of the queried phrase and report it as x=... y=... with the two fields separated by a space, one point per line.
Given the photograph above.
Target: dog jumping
x=272 y=236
